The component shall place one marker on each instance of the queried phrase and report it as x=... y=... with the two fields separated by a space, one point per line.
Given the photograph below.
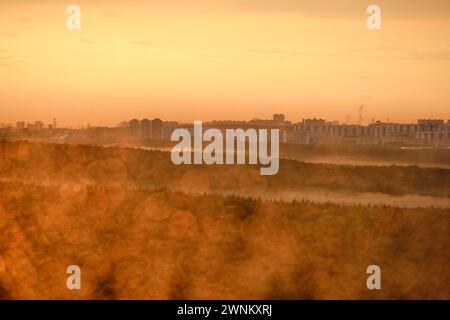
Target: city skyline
x=425 y=132
x=22 y=124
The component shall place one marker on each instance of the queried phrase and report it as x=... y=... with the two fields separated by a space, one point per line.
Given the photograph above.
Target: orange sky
x=223 y=59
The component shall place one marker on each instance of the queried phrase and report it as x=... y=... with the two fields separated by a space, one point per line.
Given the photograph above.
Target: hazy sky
x=223 y=59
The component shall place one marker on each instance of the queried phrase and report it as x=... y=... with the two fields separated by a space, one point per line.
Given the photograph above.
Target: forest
x=157 y=244
x=140 y=227
x=46 y=163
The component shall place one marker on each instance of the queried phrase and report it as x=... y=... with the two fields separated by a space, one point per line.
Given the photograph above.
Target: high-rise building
x=167 y=128
x=157 y=129
x=279 y=118
x=431 y=129
x=146 y=129
x=134 y=127
x=20 y=125
x=39 y=125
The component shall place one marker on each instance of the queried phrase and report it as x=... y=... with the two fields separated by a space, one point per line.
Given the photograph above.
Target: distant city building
x=168 y=128
x=426 y=132
x=432 y=130
x=20 y=125
x=157 y=129
x=145 y=129
x=309 y=130
x=39 y=125
x=279 y=118
x=134 y=127
x=320 y=131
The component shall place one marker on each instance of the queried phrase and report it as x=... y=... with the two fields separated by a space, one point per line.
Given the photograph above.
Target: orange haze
x=225 y=59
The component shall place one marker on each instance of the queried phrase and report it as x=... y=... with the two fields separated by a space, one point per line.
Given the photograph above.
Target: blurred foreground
x=114 y=212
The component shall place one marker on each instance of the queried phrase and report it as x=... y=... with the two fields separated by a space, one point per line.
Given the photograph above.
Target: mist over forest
x=143 y=228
